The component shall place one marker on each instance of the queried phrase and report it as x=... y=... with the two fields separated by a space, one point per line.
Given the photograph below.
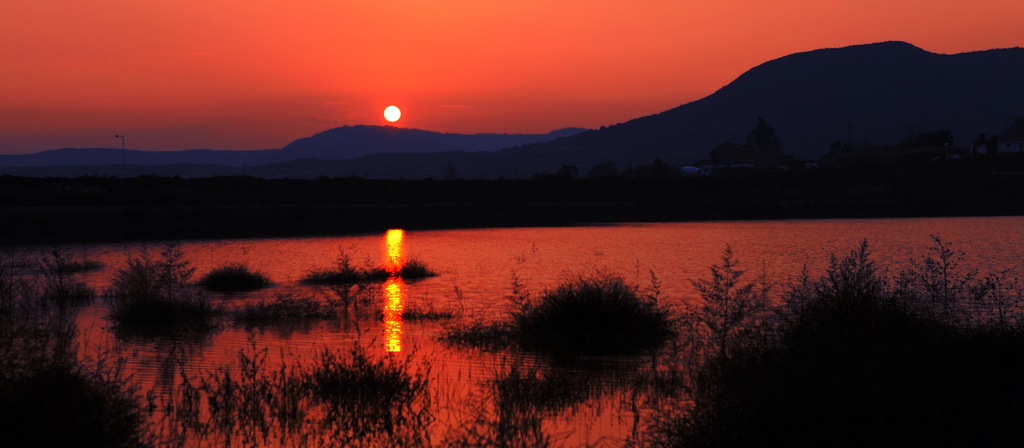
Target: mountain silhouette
x=345 y=142
x=877 y=93
x=349 y=142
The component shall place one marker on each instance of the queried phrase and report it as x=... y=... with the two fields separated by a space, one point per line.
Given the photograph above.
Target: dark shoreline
x=68 y=225
x=89 y=209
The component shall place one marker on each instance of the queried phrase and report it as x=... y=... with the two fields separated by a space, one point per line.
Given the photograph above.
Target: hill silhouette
x=883 y=92
x=349 y=142
x=341 y=143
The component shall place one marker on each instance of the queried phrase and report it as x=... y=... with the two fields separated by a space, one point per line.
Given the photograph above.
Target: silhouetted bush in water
x=48 y=398
x=235 y=277
x=600 y=314
x=157 y=297
x=854 y=360
x=595 y=315
x=344 y=272
x=415 y=269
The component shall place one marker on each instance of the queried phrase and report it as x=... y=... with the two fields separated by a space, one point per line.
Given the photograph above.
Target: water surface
x=477 y=268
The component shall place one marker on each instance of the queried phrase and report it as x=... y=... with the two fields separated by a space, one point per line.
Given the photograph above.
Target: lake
x=476 y=271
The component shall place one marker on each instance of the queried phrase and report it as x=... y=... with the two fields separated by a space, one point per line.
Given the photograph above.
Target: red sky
x=257 y=74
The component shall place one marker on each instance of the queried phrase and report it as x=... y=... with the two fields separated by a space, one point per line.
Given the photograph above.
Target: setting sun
x=392 y=114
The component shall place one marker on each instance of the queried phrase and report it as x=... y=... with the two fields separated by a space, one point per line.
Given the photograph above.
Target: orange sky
x=256 y=74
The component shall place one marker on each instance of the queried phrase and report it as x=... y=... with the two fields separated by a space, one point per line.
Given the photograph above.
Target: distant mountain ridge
x=878 y=93
x=349 y=142
x=346 y=142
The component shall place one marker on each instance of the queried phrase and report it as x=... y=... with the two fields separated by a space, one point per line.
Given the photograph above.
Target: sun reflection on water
x=393 y=314
x=393 y=290
x=393 y=242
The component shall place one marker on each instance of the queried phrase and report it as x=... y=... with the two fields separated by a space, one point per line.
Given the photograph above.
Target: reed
x=341 y=398
x=57 y=282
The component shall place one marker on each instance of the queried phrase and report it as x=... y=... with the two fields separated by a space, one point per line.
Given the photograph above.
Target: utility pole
x=122 y=148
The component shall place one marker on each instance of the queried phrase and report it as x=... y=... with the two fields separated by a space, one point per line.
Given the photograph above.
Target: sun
x=392 y=114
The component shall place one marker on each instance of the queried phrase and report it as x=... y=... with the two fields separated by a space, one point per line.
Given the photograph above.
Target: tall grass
x=341 y=398
x=56 y=276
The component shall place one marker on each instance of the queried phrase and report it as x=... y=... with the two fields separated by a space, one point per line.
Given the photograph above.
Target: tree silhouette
x=763 y=138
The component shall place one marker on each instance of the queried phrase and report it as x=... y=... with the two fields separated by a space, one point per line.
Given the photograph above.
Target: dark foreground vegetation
x=929 y=357
x=48 y=397
x=87 y=209
x=927 y=353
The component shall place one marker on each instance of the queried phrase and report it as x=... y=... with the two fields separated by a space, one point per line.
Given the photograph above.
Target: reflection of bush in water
x=340 y=399
x=598 y=314
x=235 y=277
x=542 y=389
x=856 y=359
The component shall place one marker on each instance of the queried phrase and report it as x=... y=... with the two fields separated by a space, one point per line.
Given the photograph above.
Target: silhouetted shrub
x=599 y=314
x=235 y=277
x=157 y=296
x=415 y=269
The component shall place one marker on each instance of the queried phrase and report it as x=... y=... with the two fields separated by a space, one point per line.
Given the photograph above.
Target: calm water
x=481 y=264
